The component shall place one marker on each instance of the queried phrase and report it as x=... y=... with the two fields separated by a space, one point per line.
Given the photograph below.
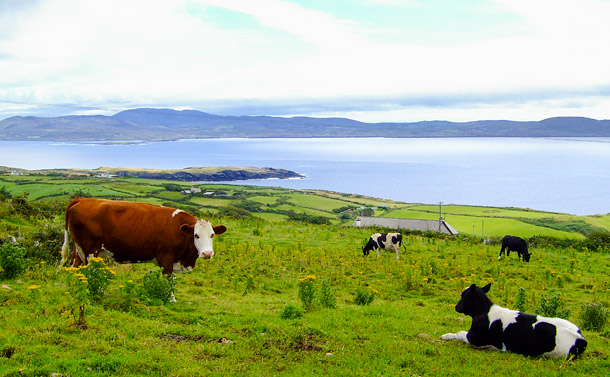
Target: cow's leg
x=378 y=251
x=397 y=248
x=501 y=252
x=86 y=243
x=461 y=335
x=79 y=255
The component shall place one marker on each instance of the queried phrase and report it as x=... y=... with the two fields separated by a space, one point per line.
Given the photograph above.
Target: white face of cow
x=203 y=238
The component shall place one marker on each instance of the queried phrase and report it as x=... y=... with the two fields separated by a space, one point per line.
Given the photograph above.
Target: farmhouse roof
x=439 y=225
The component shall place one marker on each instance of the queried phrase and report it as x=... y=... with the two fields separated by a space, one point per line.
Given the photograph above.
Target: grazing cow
x=510 y=330
x=387 y=241
x=512 y=243
x=128 y=232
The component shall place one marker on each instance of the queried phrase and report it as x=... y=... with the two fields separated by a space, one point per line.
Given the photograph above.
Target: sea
x=566 y=175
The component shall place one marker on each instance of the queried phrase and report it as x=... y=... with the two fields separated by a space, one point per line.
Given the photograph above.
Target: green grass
x=227 y=319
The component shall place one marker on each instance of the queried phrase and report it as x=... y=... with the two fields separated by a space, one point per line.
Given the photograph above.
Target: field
x=233 y=315
x=281 y=204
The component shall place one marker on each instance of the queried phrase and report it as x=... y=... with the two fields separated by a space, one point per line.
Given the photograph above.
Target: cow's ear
x=186 y=228
x=219 y=229
x=472 y=287
x=486 y=288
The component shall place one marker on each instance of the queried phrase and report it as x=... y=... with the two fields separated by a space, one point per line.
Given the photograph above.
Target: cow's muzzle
x=206 y=254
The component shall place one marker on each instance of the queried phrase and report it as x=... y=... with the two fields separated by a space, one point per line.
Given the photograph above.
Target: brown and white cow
x=128 y=232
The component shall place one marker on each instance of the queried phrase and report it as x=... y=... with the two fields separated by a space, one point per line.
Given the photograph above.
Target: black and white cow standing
x=513 y=243
x=383 y=241
x=510 y=330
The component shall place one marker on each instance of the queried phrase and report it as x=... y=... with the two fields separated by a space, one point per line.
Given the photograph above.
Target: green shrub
x=307 y=292
x=551 y=307
x=521 y=301
x=98 y=277
x=327 y=296
x=45 y=241
x=598 y=241
x=594 y=317
x=365 y=296
x=233 y=212
x=156 y=288
x=12 y=260
x=291 y=312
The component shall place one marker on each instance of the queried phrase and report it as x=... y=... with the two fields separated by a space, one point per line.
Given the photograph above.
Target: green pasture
x=317 y=202
x=468 y=220
x=228 y=318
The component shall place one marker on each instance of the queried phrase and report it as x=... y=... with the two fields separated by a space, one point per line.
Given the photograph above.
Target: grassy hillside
x=230 y=318
x=246 y=311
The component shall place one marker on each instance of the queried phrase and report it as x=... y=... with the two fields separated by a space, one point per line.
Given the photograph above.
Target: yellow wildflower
x=32 y=287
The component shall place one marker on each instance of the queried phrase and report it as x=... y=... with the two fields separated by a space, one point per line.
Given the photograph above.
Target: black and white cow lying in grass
x=510 y=330
x=387 y=241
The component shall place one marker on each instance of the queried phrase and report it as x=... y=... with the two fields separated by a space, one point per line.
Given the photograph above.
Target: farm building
x=439 y=225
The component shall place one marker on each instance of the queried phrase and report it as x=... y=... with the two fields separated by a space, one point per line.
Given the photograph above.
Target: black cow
x=510 y=330
x=387 y=241
x=512 y=243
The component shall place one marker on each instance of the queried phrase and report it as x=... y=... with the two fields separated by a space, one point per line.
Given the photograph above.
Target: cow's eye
x=197 y=236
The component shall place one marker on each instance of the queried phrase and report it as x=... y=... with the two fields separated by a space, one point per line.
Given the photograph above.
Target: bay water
x=568 y=175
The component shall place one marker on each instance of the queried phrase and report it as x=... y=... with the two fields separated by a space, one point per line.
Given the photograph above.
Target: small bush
x=551 y=307
x=594 y=317
x=365 y=296
x=156 y=288
x=327 y=296
x=98 y=276
x=291 y=312
x=307 y=292
x=12 y=260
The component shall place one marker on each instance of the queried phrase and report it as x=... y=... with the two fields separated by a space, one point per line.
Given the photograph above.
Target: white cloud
x=108 y=53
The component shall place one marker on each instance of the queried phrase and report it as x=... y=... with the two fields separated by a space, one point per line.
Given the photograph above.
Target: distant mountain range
x=165 y=124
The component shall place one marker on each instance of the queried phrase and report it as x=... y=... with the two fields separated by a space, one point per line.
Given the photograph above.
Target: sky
x=370 y=60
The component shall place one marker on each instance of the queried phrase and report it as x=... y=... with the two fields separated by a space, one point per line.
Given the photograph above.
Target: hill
x=166 y=124
x=191 y=174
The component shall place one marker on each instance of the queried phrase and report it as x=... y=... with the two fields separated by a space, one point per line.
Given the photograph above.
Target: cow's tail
x=65 y=249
